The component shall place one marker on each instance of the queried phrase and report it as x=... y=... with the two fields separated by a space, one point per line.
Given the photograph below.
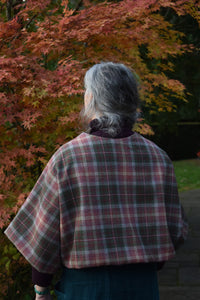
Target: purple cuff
x=41 y=279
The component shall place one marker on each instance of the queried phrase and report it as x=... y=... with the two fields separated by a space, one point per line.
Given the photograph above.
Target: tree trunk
x=9 y=4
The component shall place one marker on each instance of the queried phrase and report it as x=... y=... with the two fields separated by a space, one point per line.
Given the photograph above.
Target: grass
x=187 y=174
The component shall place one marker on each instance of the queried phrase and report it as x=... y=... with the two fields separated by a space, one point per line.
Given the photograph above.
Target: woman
x=106 y=208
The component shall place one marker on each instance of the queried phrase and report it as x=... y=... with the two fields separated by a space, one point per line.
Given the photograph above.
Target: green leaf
x=12 y=250
x=5 y=249
x=7 y=265
x=27 y=297
x=4 y=260
x=16 y=256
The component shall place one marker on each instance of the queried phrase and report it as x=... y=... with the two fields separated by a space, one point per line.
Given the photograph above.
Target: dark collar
x=126 y=129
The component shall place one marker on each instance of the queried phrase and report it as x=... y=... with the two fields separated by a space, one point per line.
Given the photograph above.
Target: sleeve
x=176 y=218
x=35 y=231
x=41 y=279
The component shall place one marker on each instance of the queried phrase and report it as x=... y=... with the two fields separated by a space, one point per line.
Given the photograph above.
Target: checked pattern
x=101 y=201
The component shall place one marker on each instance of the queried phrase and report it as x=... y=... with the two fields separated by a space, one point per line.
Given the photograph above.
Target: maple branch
x=33 y=17
x=77 y=7
x=17 y=2
x=2 y=5
x=18 y=35
x=167 y=13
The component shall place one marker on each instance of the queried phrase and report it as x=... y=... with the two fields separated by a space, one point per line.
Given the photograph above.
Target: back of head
x=114 y=96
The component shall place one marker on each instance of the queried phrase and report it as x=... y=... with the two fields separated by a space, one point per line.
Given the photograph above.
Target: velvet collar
x=126 y=129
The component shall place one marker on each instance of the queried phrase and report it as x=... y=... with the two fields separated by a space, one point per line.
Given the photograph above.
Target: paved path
x=180 y=277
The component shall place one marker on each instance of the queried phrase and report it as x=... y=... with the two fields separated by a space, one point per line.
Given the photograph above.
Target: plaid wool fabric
x=101 y=201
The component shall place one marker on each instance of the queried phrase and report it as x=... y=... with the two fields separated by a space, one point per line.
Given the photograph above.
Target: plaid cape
x=101 y=201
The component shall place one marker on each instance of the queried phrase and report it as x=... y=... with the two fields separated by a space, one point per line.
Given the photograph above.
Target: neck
x=100 y=129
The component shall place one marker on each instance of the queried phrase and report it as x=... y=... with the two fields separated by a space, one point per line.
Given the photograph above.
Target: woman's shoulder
x=151 y=147
x=86 y=142
x=69 y=148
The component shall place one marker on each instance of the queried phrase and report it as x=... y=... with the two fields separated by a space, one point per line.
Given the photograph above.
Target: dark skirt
x=130 y=282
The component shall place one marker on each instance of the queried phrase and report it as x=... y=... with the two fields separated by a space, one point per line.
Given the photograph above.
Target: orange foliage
x=37 y=100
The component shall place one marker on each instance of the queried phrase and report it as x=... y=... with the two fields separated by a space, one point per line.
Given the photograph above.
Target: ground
x=180 y=277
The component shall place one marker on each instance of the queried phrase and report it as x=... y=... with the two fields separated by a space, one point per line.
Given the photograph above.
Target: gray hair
x=115 y=96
